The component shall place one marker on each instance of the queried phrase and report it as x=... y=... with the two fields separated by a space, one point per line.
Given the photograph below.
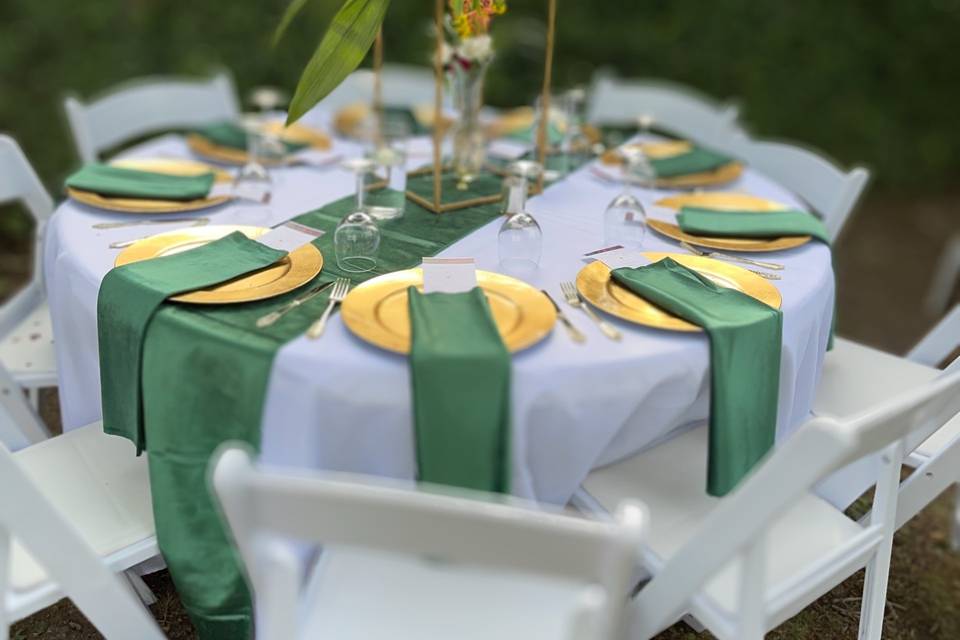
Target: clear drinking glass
x=557 y=121
x=576 y=143
x=389 y=156
x=356 y=240
x=625 y=219
x=520 y=240
x=253 y=180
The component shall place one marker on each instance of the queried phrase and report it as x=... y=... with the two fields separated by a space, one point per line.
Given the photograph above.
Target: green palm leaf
x=345 y=43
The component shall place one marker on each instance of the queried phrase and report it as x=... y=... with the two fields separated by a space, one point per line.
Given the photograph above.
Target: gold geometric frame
x=436 y=205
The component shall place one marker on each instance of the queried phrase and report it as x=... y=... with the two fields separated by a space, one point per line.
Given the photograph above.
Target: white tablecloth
x=339 y=403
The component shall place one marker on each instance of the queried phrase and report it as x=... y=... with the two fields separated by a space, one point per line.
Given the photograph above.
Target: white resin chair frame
x=20 y=183
x=674 y=108
x=148 y=105
x=75 y=570
x=264 y=507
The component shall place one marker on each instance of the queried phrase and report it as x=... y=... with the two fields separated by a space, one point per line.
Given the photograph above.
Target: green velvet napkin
x=132 y=183
x=529 y=134
x=745 y=343
x=697 y=160
x=751 y=224
x=460 y=373
x=397 y=116
x=131 y=294
x=230 y=134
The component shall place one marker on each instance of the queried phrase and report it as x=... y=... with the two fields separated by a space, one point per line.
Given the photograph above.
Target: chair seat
x=98 y=484
x=856 y=377
x=359 y=594
x=671 y=480
x=27 y=351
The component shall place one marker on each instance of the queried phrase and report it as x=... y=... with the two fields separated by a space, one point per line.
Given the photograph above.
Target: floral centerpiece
x=466 y=58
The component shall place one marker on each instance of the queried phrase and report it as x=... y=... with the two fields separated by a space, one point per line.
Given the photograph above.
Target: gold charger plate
x=295 y=270
x=595 y=284
x=376 y=311
x=758 y=245
x=730 y=202
x=295 y=133
x=667 y=148
x=169 y=166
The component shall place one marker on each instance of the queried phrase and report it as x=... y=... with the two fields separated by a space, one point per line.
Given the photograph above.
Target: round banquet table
x=339 y=403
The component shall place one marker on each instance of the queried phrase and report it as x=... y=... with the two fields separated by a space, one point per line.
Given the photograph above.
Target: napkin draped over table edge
x=745 y=343
x=460 y=383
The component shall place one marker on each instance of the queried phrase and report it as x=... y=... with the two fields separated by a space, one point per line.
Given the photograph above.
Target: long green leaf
x=292 y=10
x=347 y=40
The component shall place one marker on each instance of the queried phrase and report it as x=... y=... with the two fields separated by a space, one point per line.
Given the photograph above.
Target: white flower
x=476 y=48
x=446 y=54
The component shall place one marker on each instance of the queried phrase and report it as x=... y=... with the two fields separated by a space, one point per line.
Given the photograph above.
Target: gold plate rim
x=228 y=155
x=749 y=245
x=305 y=263
x=723 y=174
x=359 y=309
x=593 y=283
x=721 y=201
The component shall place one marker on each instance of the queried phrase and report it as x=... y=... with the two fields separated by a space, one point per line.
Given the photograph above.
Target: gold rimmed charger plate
x=668 y=148
x=170 y=166
x=376 y=311
x=757 y=245
x=595 y=284
x=295 y=133
x=299 y=267
x=730 y=202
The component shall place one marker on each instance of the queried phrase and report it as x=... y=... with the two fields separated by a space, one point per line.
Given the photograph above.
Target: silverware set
x=197 y=222
x=575 y=334
x=341 y=287
x=574 y=299
x=273 y=316
x=732 y=258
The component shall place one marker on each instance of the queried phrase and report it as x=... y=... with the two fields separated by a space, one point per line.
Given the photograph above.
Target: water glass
x=520 y=240
x=390 y=164
x=356 y=240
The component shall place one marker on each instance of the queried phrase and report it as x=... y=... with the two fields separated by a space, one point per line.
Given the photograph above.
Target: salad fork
x=573 y=298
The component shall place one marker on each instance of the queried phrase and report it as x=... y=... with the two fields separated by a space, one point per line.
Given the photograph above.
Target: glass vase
x=469 y=143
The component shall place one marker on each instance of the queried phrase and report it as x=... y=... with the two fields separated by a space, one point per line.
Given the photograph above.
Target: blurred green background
x=867 y=81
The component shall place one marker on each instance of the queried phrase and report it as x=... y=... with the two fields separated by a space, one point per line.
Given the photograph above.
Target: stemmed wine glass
x=356 y=240
x=520 y=240
x=625 y=219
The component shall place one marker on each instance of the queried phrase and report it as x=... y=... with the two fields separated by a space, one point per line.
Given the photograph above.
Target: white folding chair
x=401 y=563
x=945 y=277
x=831 y=191
x=407 y=85
x=148 y=105
x=75 y=511
x=672 y=107
x=856 y=377
x=743 y=564
x=26 y=337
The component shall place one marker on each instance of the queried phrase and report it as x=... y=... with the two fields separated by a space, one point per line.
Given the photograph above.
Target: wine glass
x=253 y=180
x=356 y=240
x=389 y=155
x=520 y=240
x=625 y=219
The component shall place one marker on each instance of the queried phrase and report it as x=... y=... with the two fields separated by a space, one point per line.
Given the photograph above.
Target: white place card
x=316 y=157
x=618 y=256
x=289 y=236
x=449 y=275
x=508 y=149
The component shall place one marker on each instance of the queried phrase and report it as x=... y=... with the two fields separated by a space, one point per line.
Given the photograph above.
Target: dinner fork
x=341 y=287
x=762 y=274
x=573 y=298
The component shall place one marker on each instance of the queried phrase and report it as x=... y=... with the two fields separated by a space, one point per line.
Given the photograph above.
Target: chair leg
x=33 y=393
x=955 y=526
x=140 y=588
x=944 y=278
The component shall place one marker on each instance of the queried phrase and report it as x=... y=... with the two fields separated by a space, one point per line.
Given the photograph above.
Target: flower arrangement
x=469 y=27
